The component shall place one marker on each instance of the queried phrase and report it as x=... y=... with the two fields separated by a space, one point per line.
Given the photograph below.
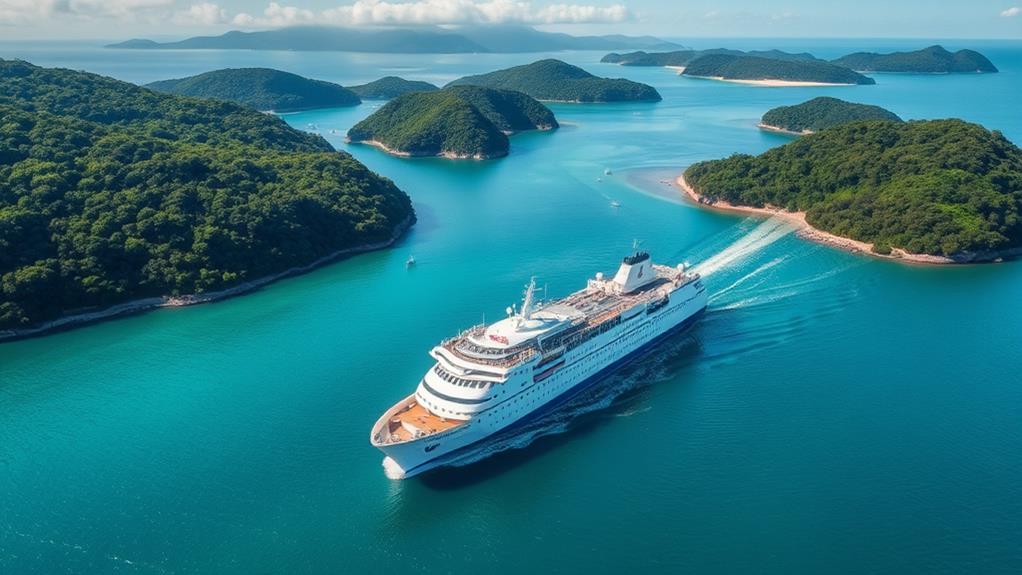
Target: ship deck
x=589 y=307
x=417 y=417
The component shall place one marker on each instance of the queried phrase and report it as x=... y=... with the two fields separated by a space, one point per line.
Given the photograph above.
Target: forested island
x=264 y=89
x=755 y=69
x=819 y=113
x=472 y=39
x=456 y=122
x=932 y=60
x=116 y=198
x=681 y=58
x=940 y=190
x=557 y=81
x=390 y=87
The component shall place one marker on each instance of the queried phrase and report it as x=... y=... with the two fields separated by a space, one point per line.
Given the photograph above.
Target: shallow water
x=830 y=412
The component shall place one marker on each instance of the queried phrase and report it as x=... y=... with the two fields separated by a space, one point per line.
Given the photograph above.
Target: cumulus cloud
x=205 y=14
x=1013 y=11
x=276 y=14
x=435 y=12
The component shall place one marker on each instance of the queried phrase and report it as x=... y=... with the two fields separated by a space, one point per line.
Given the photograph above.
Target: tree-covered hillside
x=932 y=60
x=261 y=88
x=683 y=57
x=558 y=81
x=459 y=121
x=390 y=87
x=755 y=68
x=942 y=187
x=509 y=110
x=110 y=192
x=823 y=112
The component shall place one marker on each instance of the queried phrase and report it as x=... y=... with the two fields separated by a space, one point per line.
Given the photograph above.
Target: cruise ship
x=492 y=377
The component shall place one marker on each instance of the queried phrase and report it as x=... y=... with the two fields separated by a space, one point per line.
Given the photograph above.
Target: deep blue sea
x=831 y=413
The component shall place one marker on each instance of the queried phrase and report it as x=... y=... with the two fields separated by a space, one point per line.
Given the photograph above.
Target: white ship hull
x=533 y=388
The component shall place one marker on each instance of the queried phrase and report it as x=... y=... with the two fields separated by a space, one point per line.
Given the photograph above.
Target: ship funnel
x=636 y=271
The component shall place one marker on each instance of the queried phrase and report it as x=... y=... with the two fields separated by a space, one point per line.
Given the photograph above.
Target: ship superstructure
x=492 y=377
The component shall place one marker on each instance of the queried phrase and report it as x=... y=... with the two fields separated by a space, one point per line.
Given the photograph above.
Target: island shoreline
x=780 y=130
x=147 y=304
x=445 y=155
x=772 y=83
x=806 y=231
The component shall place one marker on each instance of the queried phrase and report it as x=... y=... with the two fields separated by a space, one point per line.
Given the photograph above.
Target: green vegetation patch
x=558 y=81
x=823 y=112
x=941 y=187
x=391 y=87
x=459 y=121
x=756 y=68
x=110 y=192
x=261 y=88
x=932 y=60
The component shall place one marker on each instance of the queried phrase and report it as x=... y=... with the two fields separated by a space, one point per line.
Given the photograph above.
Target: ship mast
x=527 y=301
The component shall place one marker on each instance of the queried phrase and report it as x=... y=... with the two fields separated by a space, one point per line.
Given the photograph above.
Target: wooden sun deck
x=420 y=418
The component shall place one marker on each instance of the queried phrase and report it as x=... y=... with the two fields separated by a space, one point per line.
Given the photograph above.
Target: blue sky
x=53 y=19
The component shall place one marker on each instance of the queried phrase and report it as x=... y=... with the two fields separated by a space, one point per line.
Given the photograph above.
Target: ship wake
x=745 y=247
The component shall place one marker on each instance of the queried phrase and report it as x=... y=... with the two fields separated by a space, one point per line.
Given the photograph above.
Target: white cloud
x=120 y=9
x=35 y=11
x=275 y=15
x=21 y=11
x=1013 y=11
x=205 y=14
x=434 y=12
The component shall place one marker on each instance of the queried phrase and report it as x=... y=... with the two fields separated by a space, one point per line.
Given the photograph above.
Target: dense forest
x=390 y=87
x=554 y=80
x=683 y=57
x=823 y=112
x=932 y=60
x=458 y=121
x=261 y=88
x=755 y=68
x=942 y=187
x=110 y=192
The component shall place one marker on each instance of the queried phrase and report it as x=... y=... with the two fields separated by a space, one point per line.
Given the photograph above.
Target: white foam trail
x=748 y=276
x=760 y=237
x=392 y=470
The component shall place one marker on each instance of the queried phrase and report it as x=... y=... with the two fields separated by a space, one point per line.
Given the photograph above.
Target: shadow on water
x=619 y=394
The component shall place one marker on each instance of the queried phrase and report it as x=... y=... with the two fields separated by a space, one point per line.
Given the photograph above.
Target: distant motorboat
x=615 y=204
x=410 y=262
x=607 y=172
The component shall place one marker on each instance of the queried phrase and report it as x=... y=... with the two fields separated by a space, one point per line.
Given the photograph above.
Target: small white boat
x=607 y=172
x=615 y=204
x=410 y=262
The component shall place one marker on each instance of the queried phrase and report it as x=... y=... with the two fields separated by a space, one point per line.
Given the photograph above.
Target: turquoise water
x=830 y=413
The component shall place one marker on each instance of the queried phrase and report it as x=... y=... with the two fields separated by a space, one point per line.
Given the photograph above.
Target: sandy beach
x=771 y=83
x=399 y=153
x=145 y=304
x=804 y=230
x=778 y=130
